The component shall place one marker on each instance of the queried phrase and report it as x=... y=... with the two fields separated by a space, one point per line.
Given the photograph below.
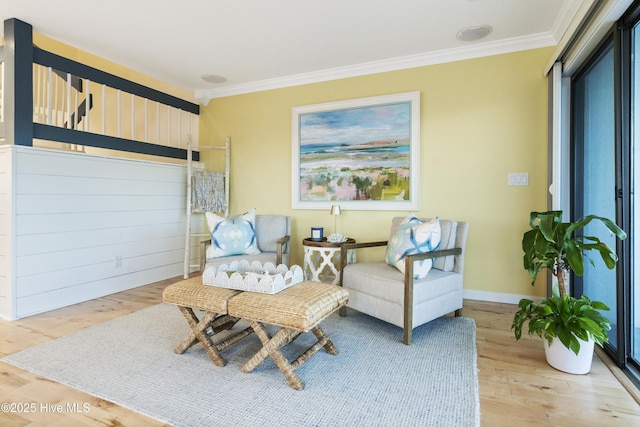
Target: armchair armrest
x=280 y=244
x=410 y=259
x=433 y=254
x=344 y=248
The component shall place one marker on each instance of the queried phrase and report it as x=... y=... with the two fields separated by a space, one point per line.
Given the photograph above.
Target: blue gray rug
x=375 y=380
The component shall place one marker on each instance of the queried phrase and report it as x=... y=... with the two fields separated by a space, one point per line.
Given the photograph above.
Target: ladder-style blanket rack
x=194 y=194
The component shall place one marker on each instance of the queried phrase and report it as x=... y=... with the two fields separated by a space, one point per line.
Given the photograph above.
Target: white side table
x=322 y=260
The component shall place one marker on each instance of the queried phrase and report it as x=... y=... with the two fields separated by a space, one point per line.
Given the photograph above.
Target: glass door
x=605 y=165
x=634 y=176
x=594 y=174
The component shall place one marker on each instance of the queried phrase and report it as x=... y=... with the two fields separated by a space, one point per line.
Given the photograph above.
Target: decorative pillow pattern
x=411 y=237
x=233 y=236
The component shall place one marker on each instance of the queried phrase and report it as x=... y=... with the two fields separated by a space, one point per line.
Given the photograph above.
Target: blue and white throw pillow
x=233 y=236
x=414 y=236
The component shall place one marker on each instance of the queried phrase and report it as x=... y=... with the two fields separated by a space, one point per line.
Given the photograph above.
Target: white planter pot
x=563 y=359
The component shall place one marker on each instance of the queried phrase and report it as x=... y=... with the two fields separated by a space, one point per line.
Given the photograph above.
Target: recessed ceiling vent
x=213 y=78
x=471 y=34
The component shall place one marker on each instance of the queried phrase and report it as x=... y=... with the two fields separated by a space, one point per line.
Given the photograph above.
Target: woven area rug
x=375 y=380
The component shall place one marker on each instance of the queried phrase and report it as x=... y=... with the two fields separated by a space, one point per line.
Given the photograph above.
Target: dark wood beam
x=18 y=78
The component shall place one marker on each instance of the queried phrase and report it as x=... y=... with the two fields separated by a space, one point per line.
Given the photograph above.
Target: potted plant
x=569 y=325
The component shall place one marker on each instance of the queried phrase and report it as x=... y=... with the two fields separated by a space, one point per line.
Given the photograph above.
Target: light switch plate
x=521 y=178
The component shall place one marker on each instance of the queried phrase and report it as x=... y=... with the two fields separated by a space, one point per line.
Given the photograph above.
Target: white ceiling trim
x=570 y=13
x=581 y=15
x=475 y=50
x=595 y=32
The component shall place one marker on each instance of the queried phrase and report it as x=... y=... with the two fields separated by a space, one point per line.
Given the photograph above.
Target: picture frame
x=362 y=154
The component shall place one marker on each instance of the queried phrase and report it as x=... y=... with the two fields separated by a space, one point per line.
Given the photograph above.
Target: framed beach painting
x=362 y=154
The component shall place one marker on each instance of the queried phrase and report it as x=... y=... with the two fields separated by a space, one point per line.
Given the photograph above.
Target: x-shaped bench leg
x=271 y=347
x=199 y=333
x=323 y=341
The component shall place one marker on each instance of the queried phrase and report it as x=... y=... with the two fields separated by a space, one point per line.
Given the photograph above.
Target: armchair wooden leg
x=408 y=302
x=343 y=311
x=408 y=336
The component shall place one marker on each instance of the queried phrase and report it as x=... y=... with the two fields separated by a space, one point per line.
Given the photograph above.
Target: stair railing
x=80 y=106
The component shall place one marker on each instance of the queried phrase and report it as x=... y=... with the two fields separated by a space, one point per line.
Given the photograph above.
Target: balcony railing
x=78 y=105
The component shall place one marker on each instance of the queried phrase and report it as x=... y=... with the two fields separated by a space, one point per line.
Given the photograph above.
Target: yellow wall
x=480 y=120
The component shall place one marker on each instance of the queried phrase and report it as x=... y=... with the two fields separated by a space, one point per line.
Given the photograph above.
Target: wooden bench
x=295 y=310
x=191 y=294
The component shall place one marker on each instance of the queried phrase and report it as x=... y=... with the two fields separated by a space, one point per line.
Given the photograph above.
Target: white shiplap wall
x=87 y=226
x=6 y=241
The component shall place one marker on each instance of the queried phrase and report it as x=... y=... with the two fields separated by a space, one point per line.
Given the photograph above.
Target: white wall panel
x=64 y=163
x=87 y=226
x=89 y=185
x=34 y=204
x=48 y=222
x=6 y=233
x=90 y=276
x=44 y=263
x=42 y=302
x=80 y=239
x=5 y=182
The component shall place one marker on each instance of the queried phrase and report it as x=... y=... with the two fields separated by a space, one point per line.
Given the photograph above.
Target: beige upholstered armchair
x=272 y=233
x=382 y=291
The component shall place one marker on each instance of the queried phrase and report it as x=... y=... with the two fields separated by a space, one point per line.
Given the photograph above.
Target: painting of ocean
x=359 y=153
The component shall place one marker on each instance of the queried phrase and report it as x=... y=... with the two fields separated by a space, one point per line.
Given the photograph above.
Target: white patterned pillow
x=411 y=237
x=233 y=236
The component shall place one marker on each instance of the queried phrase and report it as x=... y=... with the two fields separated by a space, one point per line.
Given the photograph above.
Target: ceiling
x=260 y=44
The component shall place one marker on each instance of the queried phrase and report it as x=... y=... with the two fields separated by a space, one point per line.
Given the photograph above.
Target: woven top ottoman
x=300 y=307
x=297 y=309
x=191 y=294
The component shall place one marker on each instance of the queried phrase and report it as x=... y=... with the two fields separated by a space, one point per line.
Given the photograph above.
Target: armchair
x=273 y=233
x=382 y=291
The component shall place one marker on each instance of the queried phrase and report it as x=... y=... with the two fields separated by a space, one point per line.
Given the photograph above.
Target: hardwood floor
x=517 y=387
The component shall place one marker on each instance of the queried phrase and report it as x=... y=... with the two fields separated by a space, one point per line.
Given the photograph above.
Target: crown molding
x=590 y=37
x=569 y=17
x=477 y=50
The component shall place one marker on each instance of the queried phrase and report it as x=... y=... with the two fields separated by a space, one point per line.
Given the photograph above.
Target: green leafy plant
x=558 y=246
x=564 y=317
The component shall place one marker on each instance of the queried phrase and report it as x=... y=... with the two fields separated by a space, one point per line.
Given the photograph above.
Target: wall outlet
x=521 y=178
x=117 y=261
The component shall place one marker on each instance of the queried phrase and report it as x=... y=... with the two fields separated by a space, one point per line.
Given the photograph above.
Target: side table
x=322 y=260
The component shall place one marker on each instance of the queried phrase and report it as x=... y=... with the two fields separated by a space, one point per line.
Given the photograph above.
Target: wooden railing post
x=18 y=82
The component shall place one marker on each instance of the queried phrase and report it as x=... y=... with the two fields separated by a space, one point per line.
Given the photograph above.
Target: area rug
x=375 y=380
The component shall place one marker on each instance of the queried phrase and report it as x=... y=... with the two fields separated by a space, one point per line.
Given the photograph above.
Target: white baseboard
x=496 y=297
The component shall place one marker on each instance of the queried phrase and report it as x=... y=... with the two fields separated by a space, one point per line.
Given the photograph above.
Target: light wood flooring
x=517 y=387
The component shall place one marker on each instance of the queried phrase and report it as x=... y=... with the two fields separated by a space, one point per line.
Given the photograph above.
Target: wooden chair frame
x=408 y=278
